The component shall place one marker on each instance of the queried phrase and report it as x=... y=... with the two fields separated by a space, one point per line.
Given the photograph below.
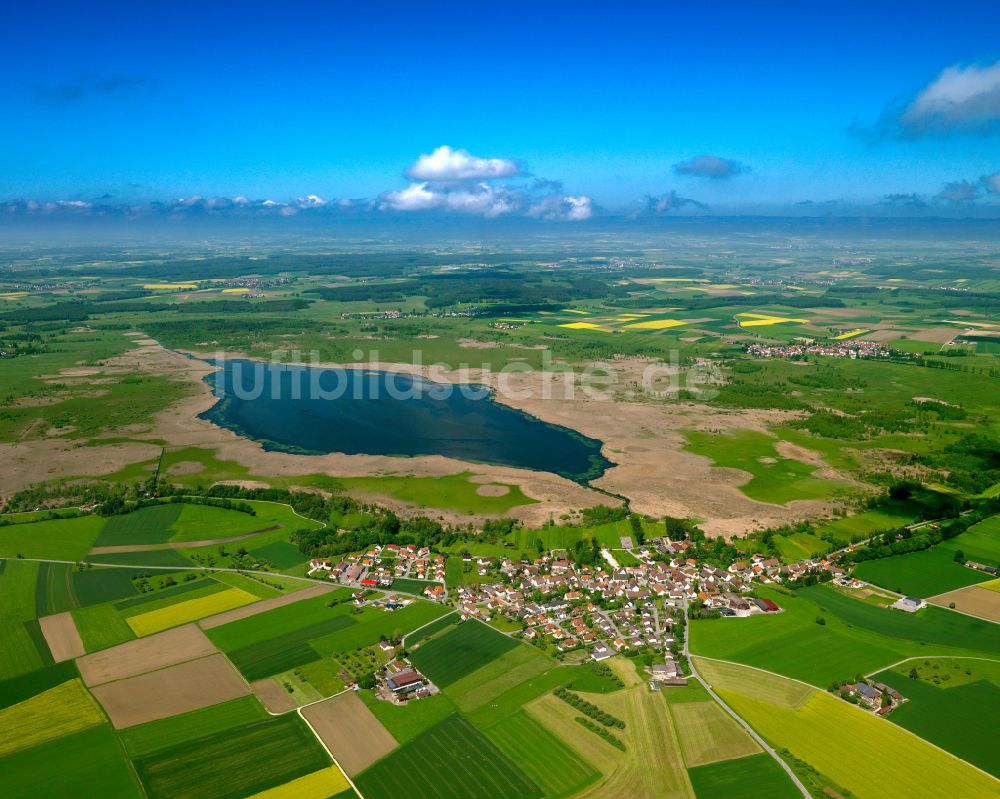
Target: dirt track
x=260 y=607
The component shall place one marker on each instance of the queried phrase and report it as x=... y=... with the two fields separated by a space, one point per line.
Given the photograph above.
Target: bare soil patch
x=264 y=605
x=167 y=692
x=935 y=335
x=493 y=490
x=62 y=637
x=185 y=467
x=350 y=731
x=973 y=600
x=145 y=654
x=275 y=698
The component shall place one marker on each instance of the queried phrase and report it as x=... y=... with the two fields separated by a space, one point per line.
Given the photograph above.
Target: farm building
x=909 y=604
x=404 y=682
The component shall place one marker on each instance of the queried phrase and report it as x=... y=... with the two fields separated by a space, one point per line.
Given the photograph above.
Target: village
x=854 y=348
x=578 y=612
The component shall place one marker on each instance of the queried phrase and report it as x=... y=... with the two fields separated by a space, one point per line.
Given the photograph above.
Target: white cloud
x=481 y=199
x=446 y=164
x=991 y=182
x=960 y=98
x=562 y=207
x=311 y=201
x=958 y=192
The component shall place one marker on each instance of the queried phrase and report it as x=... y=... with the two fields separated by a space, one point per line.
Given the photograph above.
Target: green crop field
x=406 y=722
x=96 y=585
x=92 y=758
x=856 y=637
x=959 y=718
x=24 y=687
x=890 y=517
x=452 y=492
x=54 y=589
x=151 y=525
x=800 y=546
x=282 y=652
x=508 y=670
x=280 y=554
x=547 y=761
x=923 y=574
x=234 y=763
x=461 y=651
x=101 y=626
x=56 y=539
x=204 y=522
x=279 y=621
x=155 y=736
x=432 y=629
x=18 y=651
x=451 y=760
x=167 y=596
x=753 y=777
x=374 y=623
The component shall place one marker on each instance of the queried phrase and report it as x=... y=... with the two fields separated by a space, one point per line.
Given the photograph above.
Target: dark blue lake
x=314 y=411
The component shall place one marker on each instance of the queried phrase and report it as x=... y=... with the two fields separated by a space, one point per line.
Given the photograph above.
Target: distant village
x=854 y=348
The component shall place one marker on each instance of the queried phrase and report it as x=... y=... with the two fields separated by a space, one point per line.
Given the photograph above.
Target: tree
x=914 y=674
x=959 y=556
x=366 y=681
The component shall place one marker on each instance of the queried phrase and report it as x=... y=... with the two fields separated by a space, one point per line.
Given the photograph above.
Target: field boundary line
x=428 y=624
x=326 y=749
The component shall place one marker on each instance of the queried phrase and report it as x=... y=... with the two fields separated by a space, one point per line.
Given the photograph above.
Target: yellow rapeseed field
x=760 y=320
x=62 y=710
x=851 y=334
x=581 y=326
x=169 y=286
x=655 y=324
x=840 y=740
x=193 y=609
x=236 y=291
x=318 y=785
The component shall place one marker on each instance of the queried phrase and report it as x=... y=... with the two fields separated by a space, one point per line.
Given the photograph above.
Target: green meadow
x=855 y=637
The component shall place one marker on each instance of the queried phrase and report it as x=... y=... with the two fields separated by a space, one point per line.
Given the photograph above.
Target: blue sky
x=812 y=101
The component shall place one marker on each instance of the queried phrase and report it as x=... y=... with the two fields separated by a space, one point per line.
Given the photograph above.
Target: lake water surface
x=310 y=410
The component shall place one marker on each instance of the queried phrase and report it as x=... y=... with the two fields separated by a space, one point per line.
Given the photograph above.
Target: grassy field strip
x=932 y=657
x=153 y=736
x=708 y=734
x=234 y=763
x=155 y=621
x=488 y=682
x=451 y=760
x=767 y=686
x=834 y=736
x=18 y=653
x=57 y=712
x=553 y=766
x=318 y=785
x=460 y=651
x=753 y=777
